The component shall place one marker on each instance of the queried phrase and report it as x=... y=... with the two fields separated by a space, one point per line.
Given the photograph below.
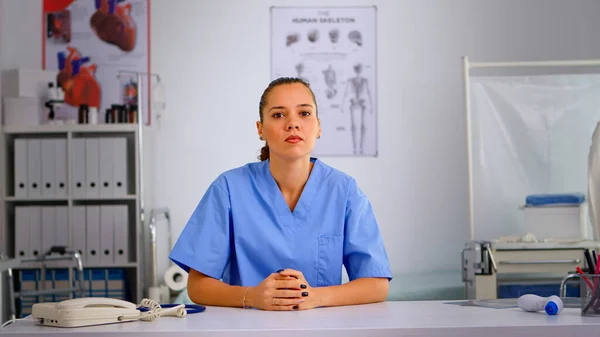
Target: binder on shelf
x=87 y=286
x=121 y=234
x=29 y=281
x=78 y=231
x=78 y=162
x=35 y=231
x=61 y=281
x=106 y=167
x=92 y=167
x=62 y=226
x=60 y=169
x=22 y=232
x=99 y=283
x=48 y=284
x=20 y=167
x=107 y=242
x=48 y=155
x=48 y=232
x=92 y=235
x=34 y=168
x=116 y=283
x=120 y=166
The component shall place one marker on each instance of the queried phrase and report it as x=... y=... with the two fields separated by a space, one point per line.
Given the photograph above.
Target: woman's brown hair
x=264 y=152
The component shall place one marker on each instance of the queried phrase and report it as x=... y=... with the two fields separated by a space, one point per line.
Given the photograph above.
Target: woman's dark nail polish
x=303 y=286
x=295 y=307
x=305 y=293
x=279 y=271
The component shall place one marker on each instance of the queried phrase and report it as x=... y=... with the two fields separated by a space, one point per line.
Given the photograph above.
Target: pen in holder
x=590 y=285
x=590 y=301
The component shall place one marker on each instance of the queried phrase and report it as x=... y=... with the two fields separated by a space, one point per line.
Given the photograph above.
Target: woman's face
x=290 y=124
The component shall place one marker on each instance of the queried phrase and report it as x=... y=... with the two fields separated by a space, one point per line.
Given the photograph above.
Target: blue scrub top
x=243 y=230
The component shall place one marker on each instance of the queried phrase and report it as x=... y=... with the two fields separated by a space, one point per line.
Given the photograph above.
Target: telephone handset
x=90 y=302
x=99 y=310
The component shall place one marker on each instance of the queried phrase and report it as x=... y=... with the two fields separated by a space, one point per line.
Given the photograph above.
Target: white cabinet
x=74 y=184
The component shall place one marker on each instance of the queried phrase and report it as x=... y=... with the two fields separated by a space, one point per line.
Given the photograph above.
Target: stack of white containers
x=558 y=217
x=24 y=93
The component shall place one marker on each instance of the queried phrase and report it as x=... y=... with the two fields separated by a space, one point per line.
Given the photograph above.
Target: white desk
x=382 y=319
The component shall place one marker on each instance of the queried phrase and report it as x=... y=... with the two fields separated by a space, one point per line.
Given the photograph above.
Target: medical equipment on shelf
x=99 y=310
x=537 y=250
x=552 y=305
x=54 y=254
x=155 y=291
x=477 y=259
x=557 y=217
x=494 y=269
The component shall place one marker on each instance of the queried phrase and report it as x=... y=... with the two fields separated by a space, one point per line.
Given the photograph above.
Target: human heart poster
x=97 y=47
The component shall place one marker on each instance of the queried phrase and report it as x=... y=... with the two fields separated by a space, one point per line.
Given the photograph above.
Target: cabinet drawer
x=539 y=261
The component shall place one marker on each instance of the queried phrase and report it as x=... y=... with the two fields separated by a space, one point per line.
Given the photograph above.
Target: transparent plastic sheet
x=594 y=182
x=530 y=135
x=506 y=303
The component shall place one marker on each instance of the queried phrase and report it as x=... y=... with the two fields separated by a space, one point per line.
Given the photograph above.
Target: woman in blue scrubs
x=275 y=234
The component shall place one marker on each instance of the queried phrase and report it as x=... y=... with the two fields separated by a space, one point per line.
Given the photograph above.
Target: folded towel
x=555 y=199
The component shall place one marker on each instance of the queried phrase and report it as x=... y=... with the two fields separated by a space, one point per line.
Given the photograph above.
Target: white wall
x=418 y=183
x=21 y=34
x=214 y=59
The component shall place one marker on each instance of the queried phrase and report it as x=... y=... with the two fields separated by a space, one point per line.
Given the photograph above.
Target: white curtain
x=531 y=134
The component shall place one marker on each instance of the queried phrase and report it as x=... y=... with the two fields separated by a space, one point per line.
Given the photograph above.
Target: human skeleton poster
x=334 y=50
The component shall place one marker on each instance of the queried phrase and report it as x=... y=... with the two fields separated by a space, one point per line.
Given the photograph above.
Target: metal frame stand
x=467 y=66
x=65 y=254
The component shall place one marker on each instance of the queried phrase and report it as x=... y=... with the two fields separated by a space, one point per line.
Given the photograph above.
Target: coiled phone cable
x=151 y=310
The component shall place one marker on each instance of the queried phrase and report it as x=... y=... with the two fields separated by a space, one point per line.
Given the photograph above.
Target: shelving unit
x=131 y=199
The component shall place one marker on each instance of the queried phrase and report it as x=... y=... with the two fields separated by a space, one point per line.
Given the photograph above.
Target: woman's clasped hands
x=284 y=290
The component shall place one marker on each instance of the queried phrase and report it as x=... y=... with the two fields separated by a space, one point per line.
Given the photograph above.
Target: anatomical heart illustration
x=59 y=26
x=78 y=80
x=97 y=63
x=113 y=23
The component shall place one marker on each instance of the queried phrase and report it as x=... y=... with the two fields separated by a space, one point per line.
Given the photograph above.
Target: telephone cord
x=155 y=310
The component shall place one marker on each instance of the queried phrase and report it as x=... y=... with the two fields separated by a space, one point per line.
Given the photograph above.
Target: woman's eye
x=278 y=115
x=305 y=113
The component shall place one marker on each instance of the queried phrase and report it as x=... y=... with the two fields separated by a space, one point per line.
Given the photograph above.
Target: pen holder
x=590 y=295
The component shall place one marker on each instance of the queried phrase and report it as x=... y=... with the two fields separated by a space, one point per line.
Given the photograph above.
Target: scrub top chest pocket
x=330 y=259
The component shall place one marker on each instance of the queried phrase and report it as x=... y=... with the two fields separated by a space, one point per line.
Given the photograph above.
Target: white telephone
x=98 y=310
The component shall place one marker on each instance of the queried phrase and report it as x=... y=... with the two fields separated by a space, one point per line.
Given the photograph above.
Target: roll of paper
x=176 y=278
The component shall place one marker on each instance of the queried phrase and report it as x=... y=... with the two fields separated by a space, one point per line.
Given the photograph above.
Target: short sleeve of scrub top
x=204 y=244
x=364 y=251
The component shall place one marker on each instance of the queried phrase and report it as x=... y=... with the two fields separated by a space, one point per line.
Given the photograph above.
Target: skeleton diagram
x=330 y=81
x=358 y=98
x=299 y=71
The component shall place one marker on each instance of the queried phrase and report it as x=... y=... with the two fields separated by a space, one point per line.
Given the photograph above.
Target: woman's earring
x=261 y=138
x=319 y=137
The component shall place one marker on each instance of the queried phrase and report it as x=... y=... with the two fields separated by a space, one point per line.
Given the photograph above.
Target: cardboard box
x=25 y=82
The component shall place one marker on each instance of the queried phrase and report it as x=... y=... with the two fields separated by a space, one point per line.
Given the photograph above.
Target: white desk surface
x=426 y=318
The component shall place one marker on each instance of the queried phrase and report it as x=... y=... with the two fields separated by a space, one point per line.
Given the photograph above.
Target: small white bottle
x=93 y=115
